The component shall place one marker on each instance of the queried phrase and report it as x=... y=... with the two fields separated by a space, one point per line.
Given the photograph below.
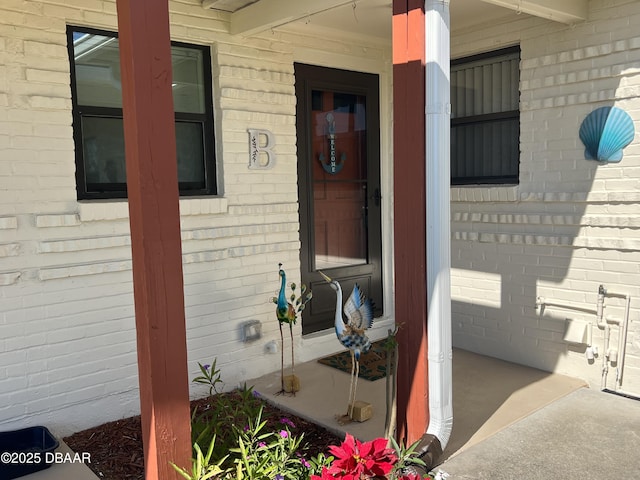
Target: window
x=97 y=116
x=485 y=118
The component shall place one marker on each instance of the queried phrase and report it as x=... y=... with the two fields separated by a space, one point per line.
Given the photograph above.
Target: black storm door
x=338 y=130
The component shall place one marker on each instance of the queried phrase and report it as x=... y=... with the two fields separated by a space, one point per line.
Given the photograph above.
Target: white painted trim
x=266 y=14
x=565 y=11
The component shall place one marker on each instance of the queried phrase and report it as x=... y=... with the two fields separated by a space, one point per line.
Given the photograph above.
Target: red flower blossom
x=324 y=475
x=355 y=460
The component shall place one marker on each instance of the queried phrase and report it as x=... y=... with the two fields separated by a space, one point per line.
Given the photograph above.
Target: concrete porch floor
x=488 y=395
x=510 y=421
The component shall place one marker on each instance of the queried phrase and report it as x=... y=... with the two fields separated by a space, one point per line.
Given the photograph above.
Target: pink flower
x=284 y=433
x=286 y=421
x=303 y=461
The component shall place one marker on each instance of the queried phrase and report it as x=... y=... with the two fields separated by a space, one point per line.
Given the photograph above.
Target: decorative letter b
x=261 y=155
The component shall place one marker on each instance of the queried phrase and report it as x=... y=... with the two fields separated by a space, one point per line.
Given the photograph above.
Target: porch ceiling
x=373 y=17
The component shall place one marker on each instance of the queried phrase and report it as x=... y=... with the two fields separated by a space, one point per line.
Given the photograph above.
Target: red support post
x=152 y=184
x=409 y=218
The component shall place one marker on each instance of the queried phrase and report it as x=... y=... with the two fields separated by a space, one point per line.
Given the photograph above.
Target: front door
x=339 y=187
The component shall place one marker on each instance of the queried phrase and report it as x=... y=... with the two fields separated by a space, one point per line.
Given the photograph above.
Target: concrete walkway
x=587 y=434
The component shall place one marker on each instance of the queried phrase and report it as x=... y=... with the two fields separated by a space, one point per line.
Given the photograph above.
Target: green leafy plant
x=406 y=458
x=318 y=463
x=210 y=377
x=265 y=454
x=219 y=419
x=201 y=466
x=241 y=441
x=215 y=419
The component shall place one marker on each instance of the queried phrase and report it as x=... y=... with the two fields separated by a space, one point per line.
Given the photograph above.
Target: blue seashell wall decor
x=605 y=132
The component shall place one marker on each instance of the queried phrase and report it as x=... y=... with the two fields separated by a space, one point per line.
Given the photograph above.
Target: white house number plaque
x=261 y=143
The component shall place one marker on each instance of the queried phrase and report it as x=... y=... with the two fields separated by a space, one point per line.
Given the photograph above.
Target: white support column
x=438 y=113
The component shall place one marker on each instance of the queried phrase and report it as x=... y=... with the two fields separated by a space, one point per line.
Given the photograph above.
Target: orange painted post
x=409 y=218
x=152 y=184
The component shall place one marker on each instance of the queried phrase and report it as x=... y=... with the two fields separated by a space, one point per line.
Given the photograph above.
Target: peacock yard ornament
x=287 y=311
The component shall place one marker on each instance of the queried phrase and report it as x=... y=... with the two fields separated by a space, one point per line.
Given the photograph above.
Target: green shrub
x=241 y=441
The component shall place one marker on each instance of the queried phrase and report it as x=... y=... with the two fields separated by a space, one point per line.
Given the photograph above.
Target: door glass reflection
x=339 y=179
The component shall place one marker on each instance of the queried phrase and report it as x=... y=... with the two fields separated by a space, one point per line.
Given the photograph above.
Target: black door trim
x=320 y=313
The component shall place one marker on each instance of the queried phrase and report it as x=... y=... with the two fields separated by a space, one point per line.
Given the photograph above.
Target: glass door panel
x=339 y=179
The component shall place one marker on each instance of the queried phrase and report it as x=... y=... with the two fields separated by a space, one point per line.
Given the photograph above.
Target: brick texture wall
x=67 y=328
x=67 y=333
x=571 y=224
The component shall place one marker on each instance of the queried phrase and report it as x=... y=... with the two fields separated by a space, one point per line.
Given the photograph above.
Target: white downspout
x=438 y=113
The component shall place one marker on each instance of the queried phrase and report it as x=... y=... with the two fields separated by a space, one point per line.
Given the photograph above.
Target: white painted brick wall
x=574 y=223
x=67 y=333
x=67 y=328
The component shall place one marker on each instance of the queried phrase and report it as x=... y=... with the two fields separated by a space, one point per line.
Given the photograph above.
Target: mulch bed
x=117 y=453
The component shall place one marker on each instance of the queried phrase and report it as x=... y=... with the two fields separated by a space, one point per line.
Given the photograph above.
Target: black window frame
x=487 y=119
x=119 y=190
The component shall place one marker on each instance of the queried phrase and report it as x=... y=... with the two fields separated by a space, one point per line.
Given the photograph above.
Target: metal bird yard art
x=287 y=310
x=358 y=311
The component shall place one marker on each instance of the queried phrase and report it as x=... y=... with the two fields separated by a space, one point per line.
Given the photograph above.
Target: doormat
x=373 y=364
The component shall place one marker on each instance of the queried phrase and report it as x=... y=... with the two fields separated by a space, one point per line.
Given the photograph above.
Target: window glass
x=103 y=140
x=190 y=153
x=98 y=116
x=484 y=86
x=188 y=80
x=97 y=63
x=485 y=151
x=339 y=166
x=105 y=160
x=485 y=118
